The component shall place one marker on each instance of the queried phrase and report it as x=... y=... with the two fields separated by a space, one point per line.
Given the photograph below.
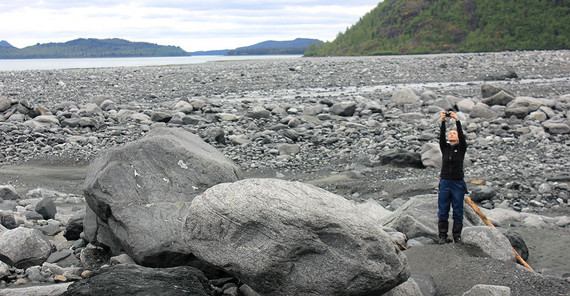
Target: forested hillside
x=91 y=48
x=436 y=26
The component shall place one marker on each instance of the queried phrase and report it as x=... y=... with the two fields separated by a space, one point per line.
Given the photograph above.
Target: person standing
x=452 y=187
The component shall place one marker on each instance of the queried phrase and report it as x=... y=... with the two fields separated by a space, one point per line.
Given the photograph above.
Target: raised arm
x=442 y=135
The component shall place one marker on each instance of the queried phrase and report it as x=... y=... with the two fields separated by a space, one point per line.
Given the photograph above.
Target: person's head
x=453 y=137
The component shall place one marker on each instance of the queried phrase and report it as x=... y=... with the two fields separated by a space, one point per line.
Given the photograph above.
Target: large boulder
x=491 y=241
x=501 y=98
x=8 y=192
x=24 y=247
x=488 y=290
x=405 y=96
x=418 y=217
x=481 y=110
x=346 y=108
x=401 y=158
x=129 y=279
x=46 y=207
x=141 y=192
x=431 y=155
x=291 y=238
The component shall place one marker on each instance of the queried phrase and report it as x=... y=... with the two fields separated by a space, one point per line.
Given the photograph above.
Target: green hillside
x=437 y=26
x=91 y=48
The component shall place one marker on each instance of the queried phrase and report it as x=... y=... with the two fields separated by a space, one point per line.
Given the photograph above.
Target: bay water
x=53 y=64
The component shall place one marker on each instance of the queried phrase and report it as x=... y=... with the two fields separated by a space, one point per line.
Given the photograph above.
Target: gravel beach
x=279 y=118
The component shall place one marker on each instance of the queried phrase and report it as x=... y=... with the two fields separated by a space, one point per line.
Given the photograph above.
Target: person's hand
x=453 y=115
x=443 y=115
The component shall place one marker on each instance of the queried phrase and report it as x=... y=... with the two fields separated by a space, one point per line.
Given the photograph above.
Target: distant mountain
x=210 y=52
x=4 y=43
x=297 y=46
x=92 y=48
x=436 y=26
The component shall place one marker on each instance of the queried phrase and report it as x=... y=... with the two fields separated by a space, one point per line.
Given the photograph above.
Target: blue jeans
x=451 y=193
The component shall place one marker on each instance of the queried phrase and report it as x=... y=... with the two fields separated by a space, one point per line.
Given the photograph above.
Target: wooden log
x=488 y=223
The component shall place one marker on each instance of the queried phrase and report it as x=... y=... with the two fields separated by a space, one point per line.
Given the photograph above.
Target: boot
x=442 y=227
x=456 y=231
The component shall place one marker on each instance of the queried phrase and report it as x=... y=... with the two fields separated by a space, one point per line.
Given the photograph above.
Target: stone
x=481 y=110
x=426 y=283
x=55 y=289
x=74 y=226
x=183 y=106
x=46 y=207
x=488 y=90
x=555 y=127
x=7 y=219
x=488 y=290
x=431 y=155
x=465 y=105
x=5 y=103
x=24 y=247
x=284 y=238
x=401 y=158
x=346 y=108
x=4 y=270
x=143 y=189
x=489 y=240
x=418 y=217
x=258 y=113
x=128 y=279
x=8 y=192
x=405 y=96
x=161 y=116
x=516 y=241
x=482 y=192
x=501 y=98
x=408 y=288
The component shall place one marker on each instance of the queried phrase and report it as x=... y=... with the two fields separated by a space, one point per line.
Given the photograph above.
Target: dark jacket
x=452 y=156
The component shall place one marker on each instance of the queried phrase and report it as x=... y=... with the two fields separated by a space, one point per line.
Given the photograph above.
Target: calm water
x=52 y=64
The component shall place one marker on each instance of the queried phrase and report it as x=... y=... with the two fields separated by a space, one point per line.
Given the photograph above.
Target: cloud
x=193 y=25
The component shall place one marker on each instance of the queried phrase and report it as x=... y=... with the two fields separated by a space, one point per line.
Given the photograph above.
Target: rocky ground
x=334 y=122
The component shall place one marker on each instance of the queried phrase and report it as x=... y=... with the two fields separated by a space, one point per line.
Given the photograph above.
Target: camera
x=447 y=114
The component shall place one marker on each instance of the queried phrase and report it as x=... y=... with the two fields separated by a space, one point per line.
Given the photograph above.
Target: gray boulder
x=418 y=217
x=481 y=110
x=143 y=189
x=43 y=290
x=24 y=247
x=426 y=283
x=346 y=108
x=516 y=241
x=408 y=288
x=489 y=240
x=488 y=290
x=405 y=96
x=488 y=90
x=291 y=238
x=480 y=193
x=258 y=113
x=46 y=207
x=556 y=127
x=128 y=279
x=501 y=98
x=431 y=155
x=5 y=103
x=465 y=105
x=8 y=192
x=401 y=158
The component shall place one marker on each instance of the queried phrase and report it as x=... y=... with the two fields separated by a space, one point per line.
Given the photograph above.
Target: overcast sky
x=192 y=25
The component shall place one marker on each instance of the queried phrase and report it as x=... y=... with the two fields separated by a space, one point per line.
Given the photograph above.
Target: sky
x=192 y=25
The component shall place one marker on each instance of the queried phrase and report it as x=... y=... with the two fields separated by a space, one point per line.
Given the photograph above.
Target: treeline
x=436 y=26
x=268 y=51
x=92 y=48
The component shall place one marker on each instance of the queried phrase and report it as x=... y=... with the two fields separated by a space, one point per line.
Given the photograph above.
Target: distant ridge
x=5 y=43
x=297 y=46
x=437 y=26
x=92 y=48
